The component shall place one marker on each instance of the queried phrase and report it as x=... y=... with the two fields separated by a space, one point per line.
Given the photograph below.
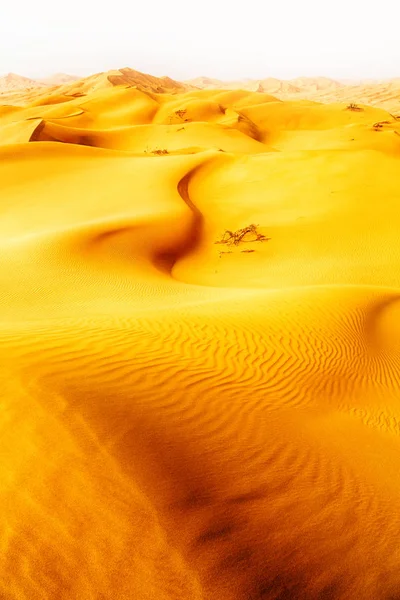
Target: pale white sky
x=182 y=39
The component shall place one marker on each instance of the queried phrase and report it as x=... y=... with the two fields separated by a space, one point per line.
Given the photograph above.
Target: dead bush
x=354 y=107
x=160 y=152
x=246 y=234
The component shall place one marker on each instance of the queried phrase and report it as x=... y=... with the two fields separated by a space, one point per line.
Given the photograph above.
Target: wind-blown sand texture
x=186 y=420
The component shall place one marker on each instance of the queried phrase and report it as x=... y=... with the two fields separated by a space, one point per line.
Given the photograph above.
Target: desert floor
x=182 y=419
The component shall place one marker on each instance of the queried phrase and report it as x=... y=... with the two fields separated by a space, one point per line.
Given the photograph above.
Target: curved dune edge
x=151 y=139
x=187 y=419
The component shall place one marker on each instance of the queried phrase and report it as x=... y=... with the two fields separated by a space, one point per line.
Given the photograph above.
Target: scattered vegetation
x=157 y=151
x=354 y=107
x=379 y=125
x=246 y=234
x=181 y=113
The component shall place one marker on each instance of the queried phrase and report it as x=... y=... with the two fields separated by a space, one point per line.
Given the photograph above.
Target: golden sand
x=182 y=419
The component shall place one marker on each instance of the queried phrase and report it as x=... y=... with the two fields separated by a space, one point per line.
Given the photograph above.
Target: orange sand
x=183 y=420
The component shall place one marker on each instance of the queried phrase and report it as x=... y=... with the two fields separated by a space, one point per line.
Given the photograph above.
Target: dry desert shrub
x=354 y=107
x=160 y=152
x=379 y=125
x=181 y=113
x=246 y=234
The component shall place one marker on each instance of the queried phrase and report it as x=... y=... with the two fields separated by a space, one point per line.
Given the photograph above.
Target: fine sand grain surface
x=182 y=419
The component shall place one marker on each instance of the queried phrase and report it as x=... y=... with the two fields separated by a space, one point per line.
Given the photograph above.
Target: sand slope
x=185 y=419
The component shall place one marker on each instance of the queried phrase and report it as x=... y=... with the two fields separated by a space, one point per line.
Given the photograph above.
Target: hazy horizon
x=344 y=80
x=218 y=42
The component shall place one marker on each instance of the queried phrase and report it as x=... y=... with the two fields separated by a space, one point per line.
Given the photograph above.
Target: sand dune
x=58 y=79
x=375 y=93
x=185 y=419
x=16 y=89
x=316 y=83
x=269 y=85
x=12 y=81
x=383 y=94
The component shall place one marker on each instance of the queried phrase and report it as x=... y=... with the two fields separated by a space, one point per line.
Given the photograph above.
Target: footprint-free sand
x=182 y=419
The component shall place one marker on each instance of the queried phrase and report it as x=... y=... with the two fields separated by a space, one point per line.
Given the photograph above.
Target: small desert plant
x=246 y=234
x=380 y=124
x=181 y=113
x=354 y=107
x=160 y=152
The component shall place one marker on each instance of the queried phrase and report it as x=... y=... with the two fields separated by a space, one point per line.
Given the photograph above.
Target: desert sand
x=183 y=419
x=381 y=93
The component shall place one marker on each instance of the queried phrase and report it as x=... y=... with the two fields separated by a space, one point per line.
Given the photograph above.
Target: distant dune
x=12 y=82
x=200 y=341
x=270 y=84
x=58 y=79
x=384 y=94
x=316 y=83
x=71 y=84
